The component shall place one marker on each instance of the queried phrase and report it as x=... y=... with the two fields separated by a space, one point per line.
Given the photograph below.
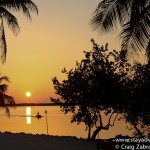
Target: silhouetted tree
x=25 y=6
x=138 y=110
x=5 y=100
x=133 y=17
x=92 y=88
x=105 y=83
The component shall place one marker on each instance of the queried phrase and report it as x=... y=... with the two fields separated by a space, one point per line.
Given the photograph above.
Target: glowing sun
x=28 y=94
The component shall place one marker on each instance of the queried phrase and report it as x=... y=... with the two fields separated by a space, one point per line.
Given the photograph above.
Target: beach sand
x=22 y=141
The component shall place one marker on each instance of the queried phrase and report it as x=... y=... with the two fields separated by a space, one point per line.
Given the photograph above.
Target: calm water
x=58 y=123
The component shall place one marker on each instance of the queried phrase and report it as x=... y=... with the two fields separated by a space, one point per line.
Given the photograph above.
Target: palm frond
x=3 y=88
x=10 y=19
x=6 y=101
x=136 y=32
x=109 y=13
x=3 y=44
x=12 y=23
x=128 y=37
x=148 y=52
x=4 y=78
x=132 y=15
x=7 y=111
x=24 y=6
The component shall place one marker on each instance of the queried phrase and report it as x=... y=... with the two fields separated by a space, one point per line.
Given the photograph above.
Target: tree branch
x=109 y=124
x=114 y=120
x=100 y=118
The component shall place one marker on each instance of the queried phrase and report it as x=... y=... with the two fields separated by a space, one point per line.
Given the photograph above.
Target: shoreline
x=24 y=141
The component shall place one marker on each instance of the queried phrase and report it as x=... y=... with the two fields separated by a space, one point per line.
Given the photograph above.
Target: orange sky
x=56 y=38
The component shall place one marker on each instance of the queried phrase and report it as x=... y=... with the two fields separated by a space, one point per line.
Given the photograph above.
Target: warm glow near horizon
x=54 y=39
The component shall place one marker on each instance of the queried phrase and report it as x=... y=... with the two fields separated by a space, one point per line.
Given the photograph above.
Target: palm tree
x=134 y=18
x=6 y=7
x=5 y=100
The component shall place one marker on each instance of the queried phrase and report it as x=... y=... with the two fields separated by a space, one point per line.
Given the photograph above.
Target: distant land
x=42 y=104
x=36 y=104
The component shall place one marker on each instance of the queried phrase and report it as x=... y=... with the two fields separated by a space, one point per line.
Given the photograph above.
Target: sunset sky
x=54 y=39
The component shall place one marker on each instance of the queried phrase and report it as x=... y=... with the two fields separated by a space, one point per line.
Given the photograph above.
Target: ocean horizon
x=23 y=119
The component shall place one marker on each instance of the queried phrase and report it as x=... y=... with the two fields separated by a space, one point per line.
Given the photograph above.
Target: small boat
x=38 y=116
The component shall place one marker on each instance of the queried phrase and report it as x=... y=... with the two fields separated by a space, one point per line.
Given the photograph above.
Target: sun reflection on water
x=28 y=114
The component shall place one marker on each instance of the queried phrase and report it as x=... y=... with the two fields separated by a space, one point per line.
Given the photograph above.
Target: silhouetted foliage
x=93 y=86
x=24 y=6
x=5 y=100
x=104 y=83
x=133 y=17
x=139 y=104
